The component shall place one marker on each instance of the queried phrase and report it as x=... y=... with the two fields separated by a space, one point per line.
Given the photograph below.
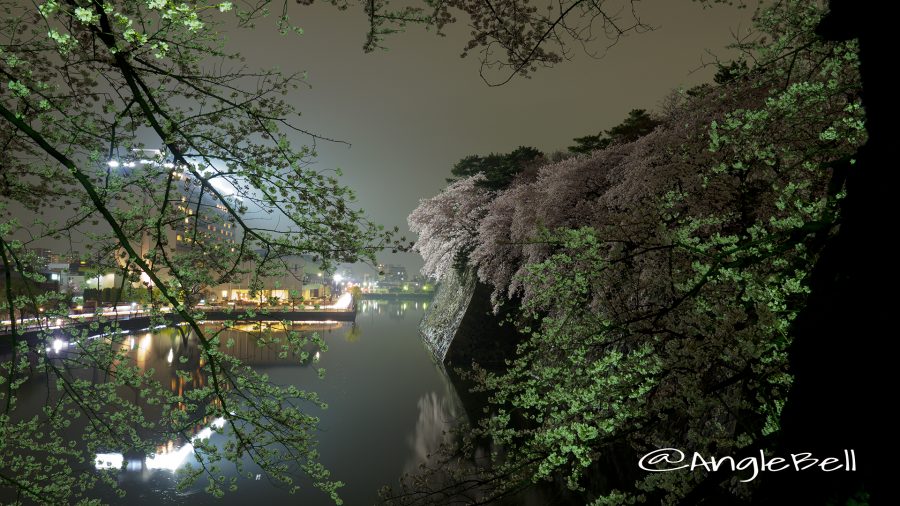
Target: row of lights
x=169 y=165
x=115 y=163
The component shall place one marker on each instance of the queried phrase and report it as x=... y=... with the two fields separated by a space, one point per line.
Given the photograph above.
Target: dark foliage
x=638 y=124
x=499 y=169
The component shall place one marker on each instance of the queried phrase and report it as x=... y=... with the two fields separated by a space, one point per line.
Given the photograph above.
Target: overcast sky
x=412 y=112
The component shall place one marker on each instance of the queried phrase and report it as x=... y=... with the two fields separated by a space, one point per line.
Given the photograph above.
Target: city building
x=392 y=273
x=69 y=277
x=43 y=256
x=302 y=281
x=390 y=277
x=201 y=218
x=196 y=218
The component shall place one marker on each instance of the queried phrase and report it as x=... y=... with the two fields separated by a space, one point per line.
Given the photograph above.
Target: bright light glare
x=145 y=279
x=338 y=278
x=171 y=461
x=343 y=302
x=113 y=163
x=223 y=186
x=109 y=461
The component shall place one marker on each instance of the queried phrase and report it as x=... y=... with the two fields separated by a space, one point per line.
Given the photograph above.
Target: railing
x=285 y=309
x=55 y=322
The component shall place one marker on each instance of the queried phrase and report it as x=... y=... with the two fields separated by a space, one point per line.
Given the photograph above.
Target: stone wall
x=460 y=325
x=444 y=316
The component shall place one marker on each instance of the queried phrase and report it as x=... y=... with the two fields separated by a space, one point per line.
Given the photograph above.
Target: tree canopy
x=673 y=277
x=130 y=121
x=513 y=38
x=497 y=169
x=638 y=124
x=657 y=304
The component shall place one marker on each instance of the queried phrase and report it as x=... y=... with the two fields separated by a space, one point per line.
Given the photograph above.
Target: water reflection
x=177 y=361
x=392 y=308
x=174 y=457
x=168 y=457
x=438 y=412
x=354 y=333
x=437 y=409
x=389 y=403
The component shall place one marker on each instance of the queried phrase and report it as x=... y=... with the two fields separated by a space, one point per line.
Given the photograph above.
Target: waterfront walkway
x=137 y=319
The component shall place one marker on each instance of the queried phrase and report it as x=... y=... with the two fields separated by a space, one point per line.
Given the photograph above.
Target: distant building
x=69 y=278
x=24 y=285
x=62 y=258
x=302 y=281
x=43 y=255
x=202 y=219
x=62 y=276
x=392 y=273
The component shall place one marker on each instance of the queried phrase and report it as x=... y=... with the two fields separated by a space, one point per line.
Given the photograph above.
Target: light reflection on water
x=437 y=412
x=169 y=457
x=390 y=405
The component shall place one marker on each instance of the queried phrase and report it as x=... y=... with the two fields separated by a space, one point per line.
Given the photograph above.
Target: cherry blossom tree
x=658 y=280
x=447 y=224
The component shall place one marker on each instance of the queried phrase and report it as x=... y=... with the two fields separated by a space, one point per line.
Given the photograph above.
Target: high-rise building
x=192 y=217
x=200 y=219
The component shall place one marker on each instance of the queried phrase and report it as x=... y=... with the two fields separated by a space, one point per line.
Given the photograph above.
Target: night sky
x=411 y=112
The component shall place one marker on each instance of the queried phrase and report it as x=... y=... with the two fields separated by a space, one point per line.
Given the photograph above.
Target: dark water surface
x=388 y=401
